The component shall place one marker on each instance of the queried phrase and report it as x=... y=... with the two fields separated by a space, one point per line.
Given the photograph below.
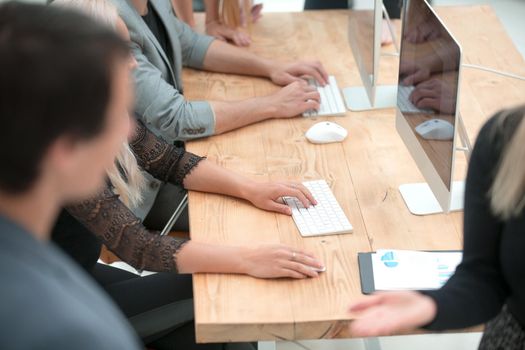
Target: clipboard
x=366 y=270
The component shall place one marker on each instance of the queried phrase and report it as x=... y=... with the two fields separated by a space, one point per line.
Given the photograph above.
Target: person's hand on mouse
x=293 y=99
x=435 y=93
x=288 y=73
x=268 y=196
x=276 y=260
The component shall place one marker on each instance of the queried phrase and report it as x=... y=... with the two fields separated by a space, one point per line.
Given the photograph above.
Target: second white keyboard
x=331 y=100
x=325 y=218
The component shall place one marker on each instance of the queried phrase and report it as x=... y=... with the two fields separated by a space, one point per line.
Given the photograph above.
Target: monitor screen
x=428 y=85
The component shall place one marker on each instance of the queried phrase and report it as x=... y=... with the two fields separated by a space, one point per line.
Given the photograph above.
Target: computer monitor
x=364 y=36
x=427 y=117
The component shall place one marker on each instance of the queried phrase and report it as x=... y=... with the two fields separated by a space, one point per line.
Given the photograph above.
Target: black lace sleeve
x=123 y=233
x=164 y=161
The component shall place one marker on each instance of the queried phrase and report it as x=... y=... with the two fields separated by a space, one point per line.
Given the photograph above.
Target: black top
x=491 y=273
x=158 y=29
x=82 y=227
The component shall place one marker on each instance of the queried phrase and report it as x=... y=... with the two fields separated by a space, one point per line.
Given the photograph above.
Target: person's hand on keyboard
x=435 y=93
x=268 y=196
x=288 y=73
x=294 y=99
x=276 y=260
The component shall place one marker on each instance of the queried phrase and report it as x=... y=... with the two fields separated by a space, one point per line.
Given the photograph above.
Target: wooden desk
x=364 y=173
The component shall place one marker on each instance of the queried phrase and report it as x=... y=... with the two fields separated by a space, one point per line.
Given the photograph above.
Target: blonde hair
x=508 y=189
x=125 y=175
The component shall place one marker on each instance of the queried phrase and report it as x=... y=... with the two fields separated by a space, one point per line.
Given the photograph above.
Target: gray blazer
x=158 y=84
x=47 y=302
x=159 y=100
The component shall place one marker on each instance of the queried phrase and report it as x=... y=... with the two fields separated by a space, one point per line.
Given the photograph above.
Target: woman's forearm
x=210 y=177
x=197 y=257
x=262 y=261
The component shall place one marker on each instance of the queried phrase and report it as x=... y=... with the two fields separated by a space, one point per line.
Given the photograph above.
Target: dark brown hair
x=55 y=79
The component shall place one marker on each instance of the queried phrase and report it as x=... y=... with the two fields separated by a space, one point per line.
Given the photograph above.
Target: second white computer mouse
x=436 y=129
x=326 y=132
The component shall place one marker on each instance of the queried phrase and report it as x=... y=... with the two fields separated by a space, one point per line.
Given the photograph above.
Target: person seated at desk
x=162 y=44
x=165 y=298
x=63 y=111
x=489 y=284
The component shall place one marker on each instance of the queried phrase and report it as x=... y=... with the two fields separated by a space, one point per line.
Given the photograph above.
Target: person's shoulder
x=164 y=4
x=62 y=328
x=50 y=313
x=127 y=12
x=86 y=335
x=123 y=4
x=48 y=302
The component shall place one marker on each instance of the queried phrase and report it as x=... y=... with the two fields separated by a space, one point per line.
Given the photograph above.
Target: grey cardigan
x=49 y=303
x=159 y=100
x=158 y=85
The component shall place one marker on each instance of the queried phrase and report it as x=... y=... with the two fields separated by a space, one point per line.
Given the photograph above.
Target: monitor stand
x=356 y=98
x=420 y=199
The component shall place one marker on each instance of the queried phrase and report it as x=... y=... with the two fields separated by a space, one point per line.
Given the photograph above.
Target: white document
x=408 y=269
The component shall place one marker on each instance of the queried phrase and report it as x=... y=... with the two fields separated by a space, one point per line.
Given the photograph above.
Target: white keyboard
x=331 y=99
x=325 y=218
x=403 y=100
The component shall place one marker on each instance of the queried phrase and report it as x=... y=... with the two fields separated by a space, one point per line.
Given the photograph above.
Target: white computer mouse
x=436 y=129
x=326 y=132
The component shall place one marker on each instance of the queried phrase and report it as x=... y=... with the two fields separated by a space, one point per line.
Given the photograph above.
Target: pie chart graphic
x=389 y=259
